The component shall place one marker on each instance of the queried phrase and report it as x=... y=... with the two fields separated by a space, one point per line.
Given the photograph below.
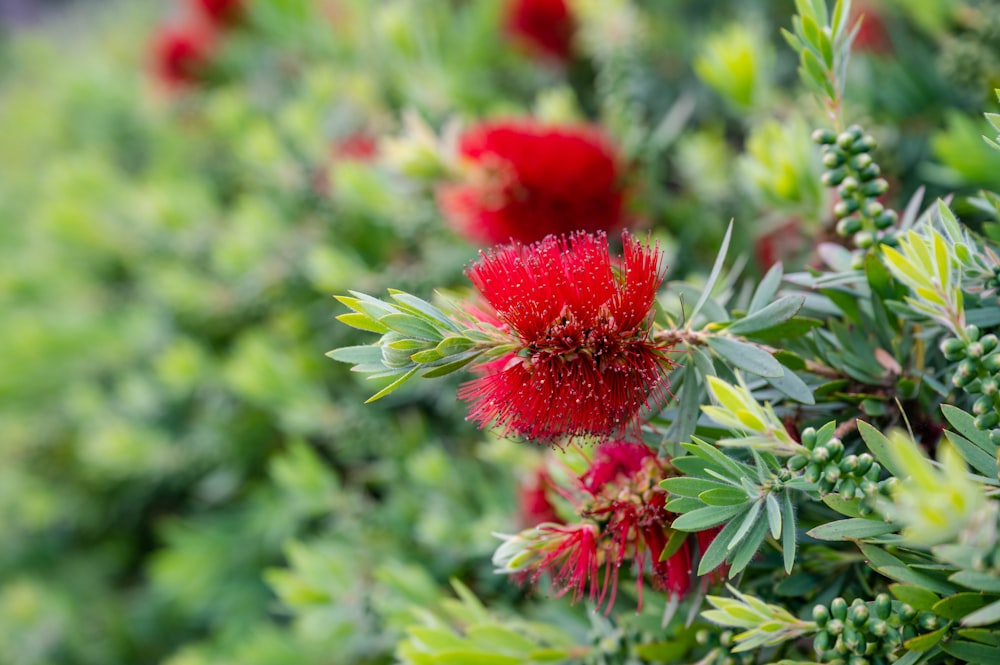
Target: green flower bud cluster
x=978 y=373
x=851 y=476
x=869 y=633
x=851 y=169
x=722 y=643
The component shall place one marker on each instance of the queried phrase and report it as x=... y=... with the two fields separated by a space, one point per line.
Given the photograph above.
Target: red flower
x=535 y=506
x=623 y=519
x=221 y=12
x=181 y=54
x=542 y=26
x=527 y=180
x=585 y=363
x=872 y=36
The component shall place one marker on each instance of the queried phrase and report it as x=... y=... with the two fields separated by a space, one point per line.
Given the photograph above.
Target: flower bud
x=861 y=161
x=886 y=220
x=883 y=606
x=849 y=226
x=864 y=239
x=972 y=332
x=987 y=420
x=983 y=405
x=797 y=462
x=809 y=438
x=876 y=187
x=820 y=615
x=845 y=207
x=873 y=209
x=838 y=608
x=834 y=177
x=953 y=348
x=823 y=137
x=991 y=363
x=833 y=158
x=845 y=140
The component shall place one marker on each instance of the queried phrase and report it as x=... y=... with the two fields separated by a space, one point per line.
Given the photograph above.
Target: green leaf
x=925 y=642
x=776 y=313
x=854 y=528
x=499 y=638
x=704 y=518
x=959 y=605
x=357 y=355
x=424 y=357
x=411 y=326
x=795 y=327
x=452 y=366
x=972 y=652
x=980 y=635
x=475 y=657
x=423 y=309
x=984 y=617
x=747 y=357
x=908 y=575
x=715 y=554
x=362 y=322
x=917 y=597
x=748 y=548
x=714 y=275
x=773 y=515
x=974 y=456
x=749 y=521
x=792 y=386
x=880 y=447
x=966 y=426
x=976 y=580
x=692 y=487
x=392 y=386
x=767 y=289
x=788 y=532
x=724 y=496
x=452 y=345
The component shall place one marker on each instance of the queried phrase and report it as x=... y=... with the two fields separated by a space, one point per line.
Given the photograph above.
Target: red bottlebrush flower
x=221 y=12
x=357 y=147
x=544 y=27
x=181 y=53
x=535 y=506
x=623 y=519
x=872 y=36
x=527 y=180
x=585 y=362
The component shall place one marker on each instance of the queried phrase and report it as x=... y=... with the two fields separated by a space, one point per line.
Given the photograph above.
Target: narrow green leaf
x=724 y=496
x=918 y=598
x=788 y=532
x=925 y=642
x=974 y=456
x=453 y=366
x=880 y=447
x=971 y=652
x=746 y=356
x=984 y=617
x=748 y=548
x=791 y=385
x=776 y=313
x=362 y=322
x=976 y=580
x=357 y=355
x=713 y=277
x=692 y=487
x=980 y=635
x=960 y=605
x=910 y=576
x=716 y=552
x=423 y=309
x=392 y=386
x=773 y=515
x=452 y=345
x=704 y=518
x=749 y=521
x=767 y=289
x=852 y=529
x=965 y=424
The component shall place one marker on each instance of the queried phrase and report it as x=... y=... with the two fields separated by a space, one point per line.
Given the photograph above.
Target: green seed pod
x=972 y=332
x=991 y=363
x=848 y=186
x=812 y=473
x=873 y=187
x=886 y=220
x=983 y=405
x=838 y=608
x=823 y=136
x=833 y=158
x=864 y=239
x=864 y=144
x=822 y=641
x=928 y=621
x=990 y=385
x=836 y=448
x=861 y=161
x=974 y=350
x=883 y=606
x=906 y=612
x=809 y=438
x=953 y=348
x=849 y=226
x=845 y=140
x=834 y=177
x=797 y=462
x=820 y=615
x=826 y=485
x=845 y=207
x=849 y=465
x=873 y=209
x=848 y=488
x=987 y=420
x=858 y=614
x=974 y=388
x=865 y=461
x=988 y=342
x=836 y=626
x=874 y=472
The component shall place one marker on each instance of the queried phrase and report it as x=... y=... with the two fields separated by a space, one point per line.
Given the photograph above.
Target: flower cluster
x=183 y=51
x=583 y=361
x=622 y=518
x=524 y=180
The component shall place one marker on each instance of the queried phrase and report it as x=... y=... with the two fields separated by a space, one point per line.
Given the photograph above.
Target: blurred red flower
x=542 y=26
x=221 y=12
x=585 y=363
x=623 y=519
x=181 y=53
x=526 y=180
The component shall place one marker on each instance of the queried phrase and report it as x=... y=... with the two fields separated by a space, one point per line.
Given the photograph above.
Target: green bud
x=873 y=187
x=821 y=455
x=797 y=462
x=838 y=608
x=873 y=209
x=928 y=621
x=991 y=363
x=845 y=140
x=823 y=136
x=833 y=158
x=858 y=614
x=974 y=388
x=836 y=448
x=888 y=237
x=878 y=627
x=989 y=386
x=849 y=464
x=874 y=472
x=988 y=342
x=987 y=420
x=953 y=348
x=848 y=186
x=886 y=220
x=864 y=144
x=836 y=626
x=848 y=488
x=983 y=405
x=883 y=606
x=822 y=641
x=856 y=659
x=849 y=226
x=812 y=473
x=856 y=130
x=974 y=350
x=834 y=177
x=906 y=612
x=821 y=615
x=864 y=239
x=865 y=461
x=972 y=332
x=861 y=161
x=995 y=437
x=845 y=207
x=726 y=638
x=809 y=437
x=702 y=637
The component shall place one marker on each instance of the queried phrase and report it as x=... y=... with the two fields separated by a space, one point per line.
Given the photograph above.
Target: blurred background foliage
x=185 y=478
